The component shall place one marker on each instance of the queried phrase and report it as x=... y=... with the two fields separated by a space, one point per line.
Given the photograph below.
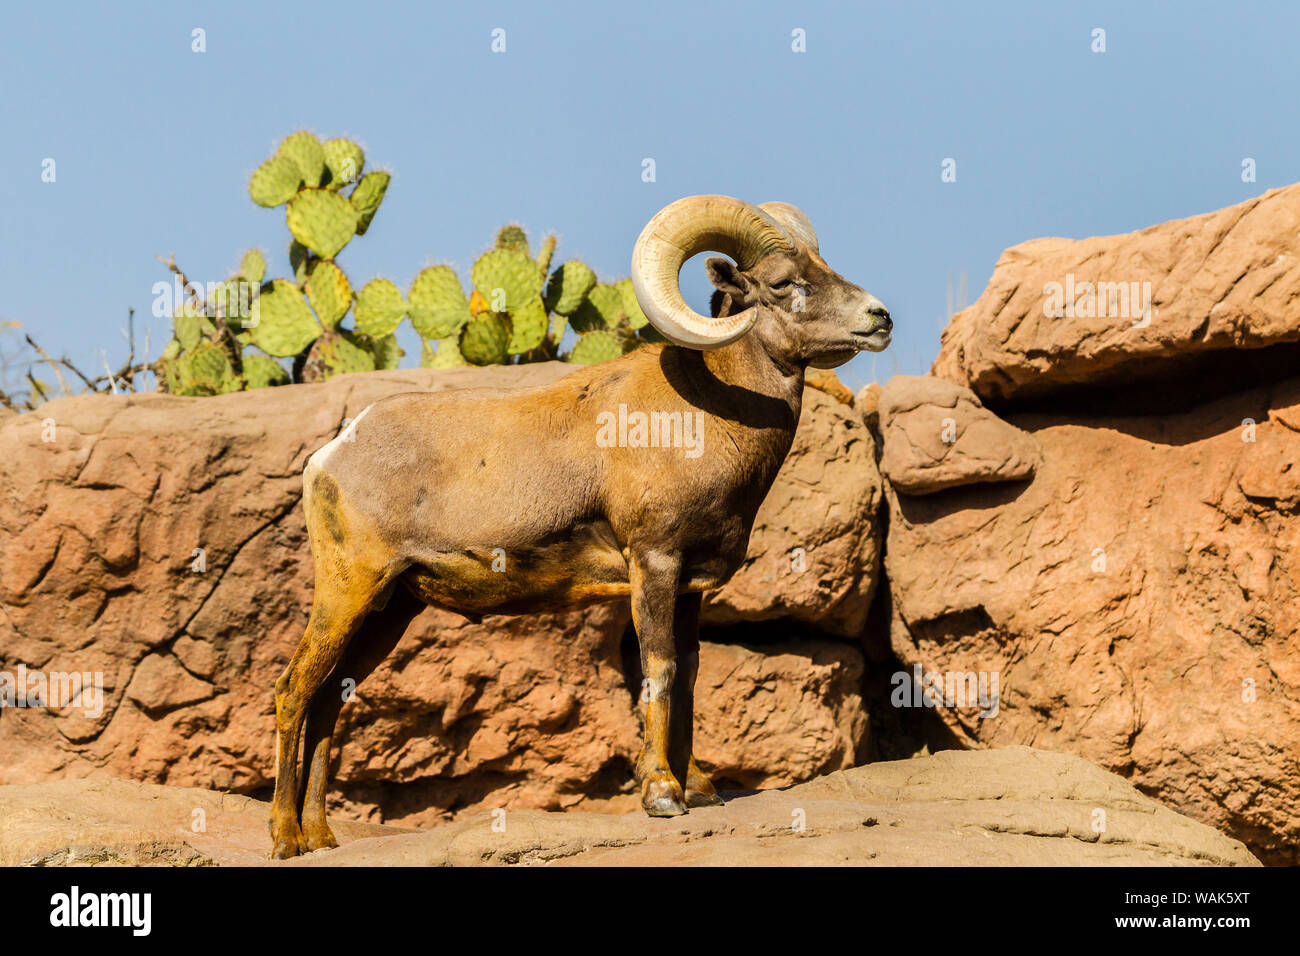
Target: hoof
x=662 y=798
x=698 y=798
x=321 y=838
x=699 y=788
x=287 y=841
x=286 y=849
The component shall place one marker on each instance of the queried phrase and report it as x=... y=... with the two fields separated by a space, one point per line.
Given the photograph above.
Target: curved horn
x=684 y=229
x=794 y=222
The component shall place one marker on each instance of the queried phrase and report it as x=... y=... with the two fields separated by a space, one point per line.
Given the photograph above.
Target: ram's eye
x=783 y=286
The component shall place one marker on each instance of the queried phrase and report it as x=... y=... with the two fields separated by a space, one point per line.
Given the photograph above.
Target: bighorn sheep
x=410 y=506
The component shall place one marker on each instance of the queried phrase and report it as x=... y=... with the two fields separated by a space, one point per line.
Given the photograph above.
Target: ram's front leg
x=654 y=577
x=681 y=743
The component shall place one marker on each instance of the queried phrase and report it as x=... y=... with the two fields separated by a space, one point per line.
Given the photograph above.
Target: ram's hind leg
x=352 y=571
x=372 y=643
x=339 y=605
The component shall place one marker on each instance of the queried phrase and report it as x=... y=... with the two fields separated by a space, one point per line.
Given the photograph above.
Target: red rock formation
x=158 y=541
x=1218 y=281
x=1139 y=595
x=937 y=435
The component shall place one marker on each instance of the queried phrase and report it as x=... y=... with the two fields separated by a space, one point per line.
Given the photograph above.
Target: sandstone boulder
x=1017 y=807
x=157 y=544
x=1138 y=601
x=937 y=435
x=1152 y=304
x=814 y=556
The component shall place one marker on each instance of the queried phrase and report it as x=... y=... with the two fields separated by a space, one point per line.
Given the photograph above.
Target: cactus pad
x=253 y=266
x=447 y=356
x=367 y=197
x=483 y=341
x=282 y=323
x=343 y=159
x=513 y=237
x=439 y=308
x=602 y=309
x=322 y=221
x=385 y=349
x=233 y=301
x=507 y=278
x=599 y=346
x=275 y=181
x=527 y=328
x=631 y=307
x=341 y=353
x=544 y=257
x=568 y=287
x=307 y=153
x=380 y=308
x=263 y=372
x=205 y=371
x=187 y=323
x=329 y=293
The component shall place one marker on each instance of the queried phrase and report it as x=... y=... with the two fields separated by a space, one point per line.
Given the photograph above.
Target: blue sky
x=154 y=143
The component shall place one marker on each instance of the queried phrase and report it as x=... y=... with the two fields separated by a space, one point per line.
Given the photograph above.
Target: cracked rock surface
x=1016 y=806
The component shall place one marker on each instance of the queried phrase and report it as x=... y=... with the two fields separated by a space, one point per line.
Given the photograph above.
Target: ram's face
x=808 y=312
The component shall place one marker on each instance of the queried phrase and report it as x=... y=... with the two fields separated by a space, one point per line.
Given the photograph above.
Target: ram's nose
x=875 y=335
x=878 y=316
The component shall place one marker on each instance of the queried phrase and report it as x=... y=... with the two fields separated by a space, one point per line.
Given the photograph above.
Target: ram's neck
x=745 y=365
x=755 y=400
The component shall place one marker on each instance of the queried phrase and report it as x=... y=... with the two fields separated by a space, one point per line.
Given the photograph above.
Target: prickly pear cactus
x=484 y=339
x=515 y=308
x=367 y=196
x=282 y=323
x=438 y=306
x=342 y=352
x=329 y=293
x=507 y=279
x=548 y=252
x=276 y=181
x=253 y=267
x=513 y=237
x=343 y=162
x=388 y=354
x=442 y=354
x=263 y=372
x=380 y=308
x=306 y=152
x=568 y=287
x=204 y=370
x=598 y=346
x=528 y=327
x=602 y=309
x=636 y=319
x=323 y=221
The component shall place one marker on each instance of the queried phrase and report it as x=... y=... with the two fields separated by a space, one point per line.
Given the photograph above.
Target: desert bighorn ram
x=411 y=506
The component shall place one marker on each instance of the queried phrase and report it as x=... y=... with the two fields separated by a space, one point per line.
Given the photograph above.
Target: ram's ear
x=727 y=278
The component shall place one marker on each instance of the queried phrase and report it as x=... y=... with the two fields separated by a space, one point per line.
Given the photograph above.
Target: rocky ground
x=1009 y=807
